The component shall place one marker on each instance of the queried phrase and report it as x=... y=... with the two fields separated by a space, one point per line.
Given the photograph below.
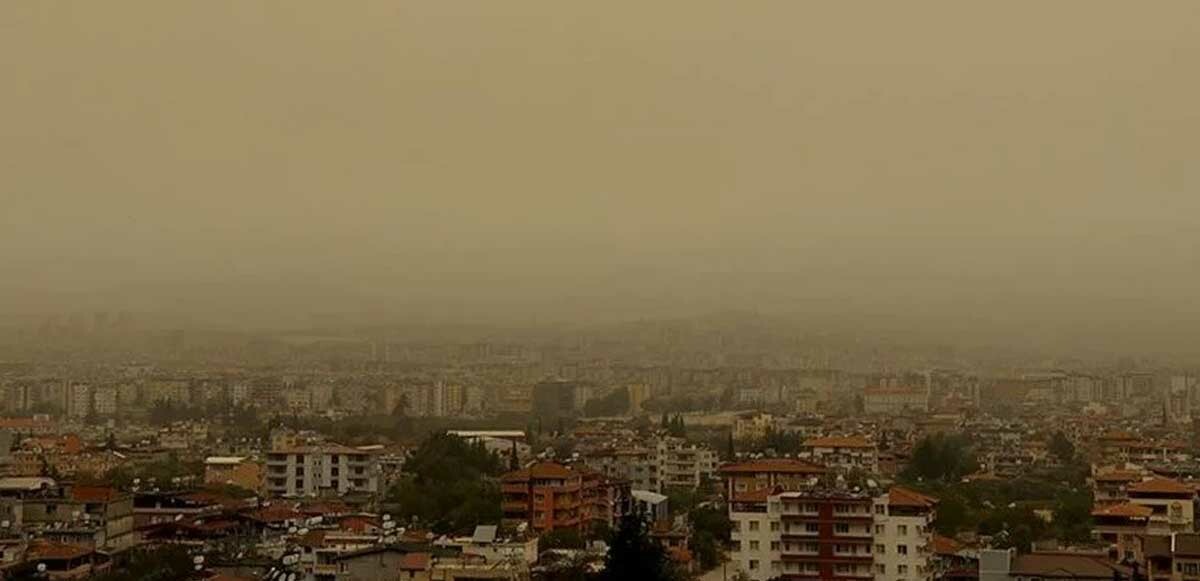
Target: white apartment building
x=833 y=534
x=682 y=464
x=903 y=535
x=309 y=470
x=104 y=400
x=79 y=400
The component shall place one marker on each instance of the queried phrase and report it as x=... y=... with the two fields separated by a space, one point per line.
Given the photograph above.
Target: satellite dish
x=292 y=530
x=41 y=567
x=198 y=560
x=178 y=517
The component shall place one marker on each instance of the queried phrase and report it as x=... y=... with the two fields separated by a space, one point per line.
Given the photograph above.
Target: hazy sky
x=264 y=160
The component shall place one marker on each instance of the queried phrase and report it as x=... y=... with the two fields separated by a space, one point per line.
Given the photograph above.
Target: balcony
x=511 y=507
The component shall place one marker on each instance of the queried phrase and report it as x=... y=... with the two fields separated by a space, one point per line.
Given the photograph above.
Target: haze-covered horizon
x=984 y=170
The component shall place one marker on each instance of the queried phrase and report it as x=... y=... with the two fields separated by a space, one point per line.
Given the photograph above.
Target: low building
x=233 y=470
x=843 y=453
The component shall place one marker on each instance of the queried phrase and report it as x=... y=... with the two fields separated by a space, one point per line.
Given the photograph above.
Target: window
x=881 y=568
x=736 y=526
x=879 y=529
x=753 y=564
x=880 y=509
x=774 y=526
x=902 y=549
x=1191 y=568
x=754 y=546
x=902 y=569
x=841 y=528
x=753 y=525
x=902 y=530
x=881 y=549
x=775 y=546
x=842 y=567
x=811 y=527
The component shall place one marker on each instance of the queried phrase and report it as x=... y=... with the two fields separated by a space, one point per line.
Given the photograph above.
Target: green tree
x=634 y=555
x=945 y=457
x=1062 y=448
x=710 y=530
x=450 y=485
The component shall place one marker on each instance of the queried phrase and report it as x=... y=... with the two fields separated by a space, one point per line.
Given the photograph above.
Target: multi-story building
x=892 y=400
x=550 y=496
x=684 y=465
x=816 y=533
x=104 y=400
x=97 y=517
x=1121 y=526
x=637 y=465
x=1172 y=504
x=904 y=535
x=1169 y=558
x=311 y=470
x=843 y=453
x=819 y=533
x=79 y=400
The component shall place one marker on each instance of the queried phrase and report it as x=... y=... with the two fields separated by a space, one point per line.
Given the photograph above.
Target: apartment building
x=637 y=465
x=1171 y=504
x=1169 y=557
x=903 y=535
x=819 y=533
x=550 y=496
x=1121 y=526
x=816 y=533
x=326 y=468
x=684 y=465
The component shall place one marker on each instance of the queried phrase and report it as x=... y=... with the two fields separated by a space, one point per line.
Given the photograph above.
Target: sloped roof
x=946 y=545
x=900 y=496
x=1127 y=509
x=1161 y=486
x=1060 y=565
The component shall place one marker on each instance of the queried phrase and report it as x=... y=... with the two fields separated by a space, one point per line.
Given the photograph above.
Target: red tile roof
x=415 y=562
x=900 y=496
x=1161 y=486
x=1124 y=510
x=43 y=549
x=945 y=545
x=94 y=493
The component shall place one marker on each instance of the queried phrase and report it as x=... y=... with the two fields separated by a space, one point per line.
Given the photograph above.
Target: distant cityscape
x=739 y=451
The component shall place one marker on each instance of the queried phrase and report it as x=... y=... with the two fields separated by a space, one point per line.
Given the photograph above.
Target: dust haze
x=975 y=170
